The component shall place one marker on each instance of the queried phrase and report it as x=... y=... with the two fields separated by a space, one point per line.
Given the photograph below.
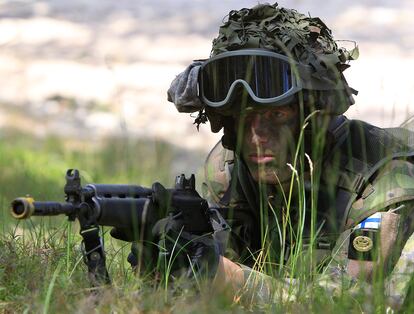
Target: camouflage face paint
x=269 y=141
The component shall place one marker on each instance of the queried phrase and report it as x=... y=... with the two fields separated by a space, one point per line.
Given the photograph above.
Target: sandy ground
x=114 y=61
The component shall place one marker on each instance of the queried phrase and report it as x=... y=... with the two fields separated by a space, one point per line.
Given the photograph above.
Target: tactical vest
x=374 y=170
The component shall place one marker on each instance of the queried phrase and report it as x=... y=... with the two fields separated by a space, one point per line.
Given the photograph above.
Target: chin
x=270 y=178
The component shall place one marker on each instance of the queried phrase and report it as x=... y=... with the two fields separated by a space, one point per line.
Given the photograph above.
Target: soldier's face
x=269 y=142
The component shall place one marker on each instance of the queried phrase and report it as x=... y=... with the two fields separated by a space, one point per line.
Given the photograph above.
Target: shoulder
x=217 y=172
x=377 y=166
x=383 y=216
x=392 y=185
x=371 y=138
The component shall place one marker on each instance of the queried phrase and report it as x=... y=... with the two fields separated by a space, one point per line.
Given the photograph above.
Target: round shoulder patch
x=362 y=243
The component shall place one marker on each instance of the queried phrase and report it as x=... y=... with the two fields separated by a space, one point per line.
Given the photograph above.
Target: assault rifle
x=131 y=209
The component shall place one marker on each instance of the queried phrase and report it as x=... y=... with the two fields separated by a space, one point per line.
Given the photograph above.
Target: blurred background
x=83 y=83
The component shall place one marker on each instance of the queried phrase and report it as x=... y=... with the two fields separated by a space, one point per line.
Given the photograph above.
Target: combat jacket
x=364 y=201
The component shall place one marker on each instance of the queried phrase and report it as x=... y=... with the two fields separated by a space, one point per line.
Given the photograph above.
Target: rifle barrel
x=25 y=207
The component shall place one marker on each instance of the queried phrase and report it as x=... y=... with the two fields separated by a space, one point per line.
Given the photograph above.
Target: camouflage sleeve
x=397 y=284
x=260 y=288
x=263 y=289
x=401 y=278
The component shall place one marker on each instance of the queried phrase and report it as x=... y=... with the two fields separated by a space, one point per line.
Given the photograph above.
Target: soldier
x=304 y=189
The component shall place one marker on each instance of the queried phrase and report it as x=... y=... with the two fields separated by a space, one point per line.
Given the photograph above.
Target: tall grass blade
x=50 y=289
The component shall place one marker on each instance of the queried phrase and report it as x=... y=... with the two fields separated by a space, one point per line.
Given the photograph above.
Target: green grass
x=41 y=267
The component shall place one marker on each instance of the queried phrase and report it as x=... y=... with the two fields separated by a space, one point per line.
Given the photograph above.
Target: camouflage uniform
x=376 y=178
x=364 y=176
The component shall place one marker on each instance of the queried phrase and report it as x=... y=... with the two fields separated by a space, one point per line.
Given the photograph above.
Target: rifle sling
x=93 y=251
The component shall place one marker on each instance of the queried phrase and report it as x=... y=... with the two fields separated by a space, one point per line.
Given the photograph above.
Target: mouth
x=262 y=159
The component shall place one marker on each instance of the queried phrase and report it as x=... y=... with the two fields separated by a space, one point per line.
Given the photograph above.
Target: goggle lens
x=267 y=76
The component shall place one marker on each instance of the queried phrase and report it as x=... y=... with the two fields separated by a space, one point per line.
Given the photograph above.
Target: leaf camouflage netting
x=286 y=31
x=306 y=39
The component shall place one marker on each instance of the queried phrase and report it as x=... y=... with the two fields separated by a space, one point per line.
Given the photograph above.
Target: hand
x=185 y=237
x=186 y=243
x=184 y=254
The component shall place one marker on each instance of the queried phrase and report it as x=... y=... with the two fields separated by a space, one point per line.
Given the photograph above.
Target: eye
x=279 y=114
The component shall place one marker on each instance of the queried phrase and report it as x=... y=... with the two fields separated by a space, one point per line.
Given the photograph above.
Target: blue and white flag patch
x=372 y=222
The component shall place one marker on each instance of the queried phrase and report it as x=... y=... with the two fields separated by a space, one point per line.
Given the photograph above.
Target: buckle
x=353 y=184
x=358 y=183
x=85 y=253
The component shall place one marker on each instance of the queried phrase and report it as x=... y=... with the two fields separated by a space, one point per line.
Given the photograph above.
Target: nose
x=258 y=129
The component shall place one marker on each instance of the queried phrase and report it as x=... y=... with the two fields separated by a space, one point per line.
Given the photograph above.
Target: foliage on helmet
x=304 y=38
x=286 y=31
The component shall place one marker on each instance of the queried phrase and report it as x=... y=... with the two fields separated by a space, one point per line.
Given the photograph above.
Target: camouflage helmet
x=305 y=39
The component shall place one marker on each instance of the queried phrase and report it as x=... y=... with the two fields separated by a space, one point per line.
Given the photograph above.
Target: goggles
x=268 y=77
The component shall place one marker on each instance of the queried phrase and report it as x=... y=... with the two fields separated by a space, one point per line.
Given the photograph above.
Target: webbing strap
x=337 y=128
x=92 y=247
x=352 y=177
